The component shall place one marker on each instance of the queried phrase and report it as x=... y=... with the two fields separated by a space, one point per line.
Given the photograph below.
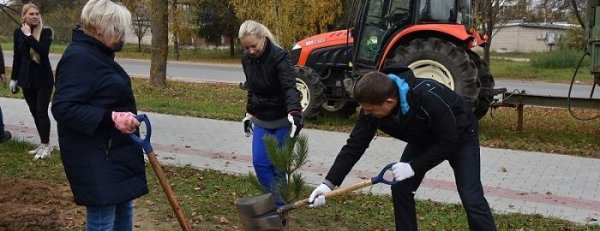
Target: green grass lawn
x=207 y=198
x=524 y=71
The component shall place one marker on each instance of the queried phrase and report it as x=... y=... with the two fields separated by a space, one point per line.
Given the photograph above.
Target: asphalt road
x=198 y=72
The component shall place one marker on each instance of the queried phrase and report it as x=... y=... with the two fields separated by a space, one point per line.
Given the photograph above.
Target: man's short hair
x=374 y=88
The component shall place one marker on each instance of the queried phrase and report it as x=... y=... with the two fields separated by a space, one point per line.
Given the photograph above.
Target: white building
x=528 y=37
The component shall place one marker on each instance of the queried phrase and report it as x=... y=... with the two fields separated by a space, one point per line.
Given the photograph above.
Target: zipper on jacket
x=109 y=146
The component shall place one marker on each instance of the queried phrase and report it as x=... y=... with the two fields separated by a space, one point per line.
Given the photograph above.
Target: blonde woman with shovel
x=273 y=104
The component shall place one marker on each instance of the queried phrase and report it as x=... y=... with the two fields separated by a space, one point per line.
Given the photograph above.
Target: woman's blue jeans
x=265 y=171
x=108 y=218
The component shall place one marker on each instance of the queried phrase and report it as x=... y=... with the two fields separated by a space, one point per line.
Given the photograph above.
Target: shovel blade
x=250 y=210
x=271 y=222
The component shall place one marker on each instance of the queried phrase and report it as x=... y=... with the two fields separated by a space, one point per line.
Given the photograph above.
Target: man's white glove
x=402 y=171
x=13 y=86
x=248 y=124
x=317 y=197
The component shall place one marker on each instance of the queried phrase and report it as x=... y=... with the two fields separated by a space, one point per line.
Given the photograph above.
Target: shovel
x=260 y=212
x=160 y=174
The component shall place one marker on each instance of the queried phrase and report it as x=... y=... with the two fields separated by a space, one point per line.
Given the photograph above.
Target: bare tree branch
x=577 y=15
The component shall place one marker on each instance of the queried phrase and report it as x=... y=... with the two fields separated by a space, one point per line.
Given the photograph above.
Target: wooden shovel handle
x=337 y=192
x=162 y=179
x=160 y=174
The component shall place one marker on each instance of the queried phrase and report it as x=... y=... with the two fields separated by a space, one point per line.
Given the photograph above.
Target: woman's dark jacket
x=28 y=73
x=103 y=166
x=271 y=84
x=437 y=122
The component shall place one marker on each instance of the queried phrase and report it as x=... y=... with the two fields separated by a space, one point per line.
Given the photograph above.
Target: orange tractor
x=433 y=38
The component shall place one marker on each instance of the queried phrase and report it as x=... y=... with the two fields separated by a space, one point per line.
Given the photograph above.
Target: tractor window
x=373 y=29
x=398 y=13
x=464 y=14
x=439 y=11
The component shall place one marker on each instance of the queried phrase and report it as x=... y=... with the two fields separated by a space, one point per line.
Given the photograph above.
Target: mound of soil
x=36 y=205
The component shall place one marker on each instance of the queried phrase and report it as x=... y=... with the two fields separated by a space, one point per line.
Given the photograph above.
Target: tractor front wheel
x=311 y=91
x=485 y=98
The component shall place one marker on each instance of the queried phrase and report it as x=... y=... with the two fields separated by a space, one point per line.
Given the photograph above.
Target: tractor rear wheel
x=485 y=98
x=311 y=91
x=441 y=61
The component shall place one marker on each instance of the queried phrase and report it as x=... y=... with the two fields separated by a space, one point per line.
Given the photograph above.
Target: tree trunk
x=486 y=51
x=492 y=13
x=577 y=15
x=139 y=43
x=176 y=46
x=175 y=30
x=231 y=46
x=160 y=42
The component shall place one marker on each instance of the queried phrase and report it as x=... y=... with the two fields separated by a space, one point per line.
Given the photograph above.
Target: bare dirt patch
x=27 y=204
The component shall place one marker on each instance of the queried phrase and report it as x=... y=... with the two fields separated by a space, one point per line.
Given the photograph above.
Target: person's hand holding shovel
x=402 y=171
x=317 y=197
x=125 y=122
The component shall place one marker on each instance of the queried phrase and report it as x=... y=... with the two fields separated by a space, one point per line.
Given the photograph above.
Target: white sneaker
x=36 y=150
x=44 y=152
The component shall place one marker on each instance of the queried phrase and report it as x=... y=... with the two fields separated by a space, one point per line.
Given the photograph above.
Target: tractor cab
x=432 y=37
x=378 y=21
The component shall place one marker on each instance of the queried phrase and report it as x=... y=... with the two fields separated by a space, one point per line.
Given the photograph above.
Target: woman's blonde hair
x=106 y=18
x=36 y=31
x=251 y=27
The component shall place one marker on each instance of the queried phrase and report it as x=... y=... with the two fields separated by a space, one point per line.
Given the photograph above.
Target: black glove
x=295 y=118
x=248 y=125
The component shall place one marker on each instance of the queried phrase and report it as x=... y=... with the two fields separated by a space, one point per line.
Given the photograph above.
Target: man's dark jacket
x=271 y=84
x=28 y=73
x=103 y=166
x=437 y=120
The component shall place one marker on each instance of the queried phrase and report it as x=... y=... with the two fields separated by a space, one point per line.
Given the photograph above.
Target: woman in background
x=32 y=72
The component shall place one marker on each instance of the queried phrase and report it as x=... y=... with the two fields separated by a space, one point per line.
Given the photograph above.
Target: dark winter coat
x=103 y=166
x=271 y=84
x=28 y=73
x=437 y=121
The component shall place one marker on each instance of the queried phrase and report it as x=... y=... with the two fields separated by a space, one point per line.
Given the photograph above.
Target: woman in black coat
x=273 y=106
x=32 y=72
x=94 y=108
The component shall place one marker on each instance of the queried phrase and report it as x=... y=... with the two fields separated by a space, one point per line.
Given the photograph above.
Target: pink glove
x=125 y=122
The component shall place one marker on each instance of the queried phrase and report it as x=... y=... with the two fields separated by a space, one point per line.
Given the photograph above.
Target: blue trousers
x=108 y=218
x=466 y=166
x=265 y=171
